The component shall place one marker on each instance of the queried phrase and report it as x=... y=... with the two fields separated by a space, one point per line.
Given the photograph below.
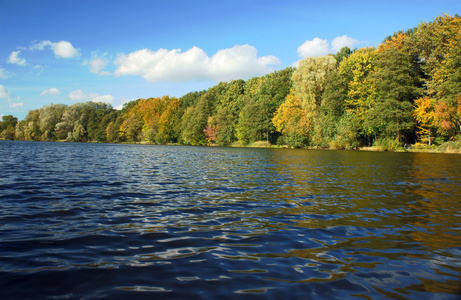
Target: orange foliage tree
x=155 y=119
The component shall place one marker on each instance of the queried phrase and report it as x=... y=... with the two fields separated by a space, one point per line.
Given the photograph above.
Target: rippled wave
x=133 y=221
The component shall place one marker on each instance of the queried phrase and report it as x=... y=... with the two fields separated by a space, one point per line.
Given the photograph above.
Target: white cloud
x=97 y=64
x=16 y=105
x=61 y=49
x=64 y=49
x=240 y=61
x=319 y=47
x=15 y=59
x=4 y=74
x=79 y=95
x=4 y=93
x=122 y=102
x=104 y=98
x=51 y=91
x=342 y=41
x=314 y=48
x=41 y=46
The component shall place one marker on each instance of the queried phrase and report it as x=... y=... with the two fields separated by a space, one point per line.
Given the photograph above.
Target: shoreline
x=444 y=148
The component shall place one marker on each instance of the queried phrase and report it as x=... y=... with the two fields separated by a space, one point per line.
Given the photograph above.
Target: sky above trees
x=114 y=51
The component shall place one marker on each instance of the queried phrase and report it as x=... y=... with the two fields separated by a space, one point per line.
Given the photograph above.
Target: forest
x=404 y=93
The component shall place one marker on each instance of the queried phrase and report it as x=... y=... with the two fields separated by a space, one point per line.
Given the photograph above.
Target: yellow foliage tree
x=166 y=120
x=361 y=93
x=292 y=120
x=426 y=116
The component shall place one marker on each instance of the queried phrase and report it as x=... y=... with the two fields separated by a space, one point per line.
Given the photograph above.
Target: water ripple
x=131 y=221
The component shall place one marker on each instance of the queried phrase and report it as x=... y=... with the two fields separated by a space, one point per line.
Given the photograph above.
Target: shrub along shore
x=404 y=95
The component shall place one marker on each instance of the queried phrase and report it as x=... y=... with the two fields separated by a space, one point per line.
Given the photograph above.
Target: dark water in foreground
x=132 y=222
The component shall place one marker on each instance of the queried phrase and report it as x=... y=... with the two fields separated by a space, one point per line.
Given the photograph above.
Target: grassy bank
x=385 y=145
x=447 y=147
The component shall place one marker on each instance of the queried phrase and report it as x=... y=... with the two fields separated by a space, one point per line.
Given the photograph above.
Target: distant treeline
x=407 y=90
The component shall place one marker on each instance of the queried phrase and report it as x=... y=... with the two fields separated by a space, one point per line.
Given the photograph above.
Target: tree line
x=405 y=91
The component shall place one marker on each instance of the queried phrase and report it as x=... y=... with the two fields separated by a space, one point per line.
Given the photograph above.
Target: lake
x=173 y=222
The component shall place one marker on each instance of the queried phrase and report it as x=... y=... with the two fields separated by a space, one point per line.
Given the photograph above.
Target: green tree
x=251 y=122
x=347 y=129
x=65 y=128
x=8 y=120
x=108 y=116
x=397 y=86
x=214 y=95
x=310 y=78
x=342 y=54
x=263 y=96
x=195 y=121
x=79 y=133
x=93 y=119
x=19 y=130
x=50 y=116
x=191 y=99
x=111 y=132
x=228 y=110
x=7 y=127
x=447 y=80
x=32 y=126
x=432 y=42
x=309 y=82
x=332 y=105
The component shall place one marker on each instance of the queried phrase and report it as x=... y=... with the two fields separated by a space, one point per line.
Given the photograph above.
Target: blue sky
x=66 y=51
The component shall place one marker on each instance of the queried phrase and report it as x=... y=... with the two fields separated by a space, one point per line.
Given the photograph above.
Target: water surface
x=136 y=221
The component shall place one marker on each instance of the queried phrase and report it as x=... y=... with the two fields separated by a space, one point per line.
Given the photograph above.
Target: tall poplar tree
x=309 y=82
x=397 y=86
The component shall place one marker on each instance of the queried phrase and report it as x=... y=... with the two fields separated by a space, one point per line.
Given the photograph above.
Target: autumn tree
x=449 y=117
x=426 y=118
x=406 y=88
x=166 y=128
x=131 y=129
x=292 y=121
x=361 y=92
x=211 y=131
x=433 y=41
